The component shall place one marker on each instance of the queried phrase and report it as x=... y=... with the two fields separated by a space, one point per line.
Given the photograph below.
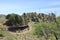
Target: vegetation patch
x=1 y=33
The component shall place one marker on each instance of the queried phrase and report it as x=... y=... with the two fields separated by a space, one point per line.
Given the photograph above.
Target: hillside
x=24 y=35
x=38 y=23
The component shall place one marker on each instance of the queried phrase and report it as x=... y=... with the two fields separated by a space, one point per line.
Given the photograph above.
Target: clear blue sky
x=21 y=6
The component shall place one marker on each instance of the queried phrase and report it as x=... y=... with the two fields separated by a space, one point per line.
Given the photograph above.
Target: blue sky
x=21 y=6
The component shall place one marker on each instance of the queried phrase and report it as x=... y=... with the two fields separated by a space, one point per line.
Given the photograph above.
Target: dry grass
x=25 y=35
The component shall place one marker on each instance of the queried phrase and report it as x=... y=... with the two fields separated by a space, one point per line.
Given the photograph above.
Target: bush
x=1 y=34
x=38 y=29
x=45 y=29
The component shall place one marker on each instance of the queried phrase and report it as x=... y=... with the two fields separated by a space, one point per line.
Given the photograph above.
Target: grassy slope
x=17 y=36
x=10 y=36
x=24 y=36
x=7 y=35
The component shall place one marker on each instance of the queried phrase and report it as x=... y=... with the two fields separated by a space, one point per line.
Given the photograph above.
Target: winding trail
x=25 y=34
x=26 y=31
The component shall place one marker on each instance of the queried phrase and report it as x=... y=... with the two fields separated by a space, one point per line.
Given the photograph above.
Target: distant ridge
x=2 y=15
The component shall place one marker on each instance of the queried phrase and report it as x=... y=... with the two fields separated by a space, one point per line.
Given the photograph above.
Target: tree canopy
x=14 y=20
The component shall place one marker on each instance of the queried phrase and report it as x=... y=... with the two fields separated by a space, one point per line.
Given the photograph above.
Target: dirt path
x=31 y=26
x=25 y=34
x=26 y=31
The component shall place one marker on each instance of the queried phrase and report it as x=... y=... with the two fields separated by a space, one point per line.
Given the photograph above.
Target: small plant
x=1 y=33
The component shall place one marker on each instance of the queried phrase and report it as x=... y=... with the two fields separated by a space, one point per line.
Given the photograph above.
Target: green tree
x=14 y=20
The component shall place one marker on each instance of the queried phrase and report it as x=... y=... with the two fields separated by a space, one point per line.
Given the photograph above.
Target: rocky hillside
x=38 y=17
